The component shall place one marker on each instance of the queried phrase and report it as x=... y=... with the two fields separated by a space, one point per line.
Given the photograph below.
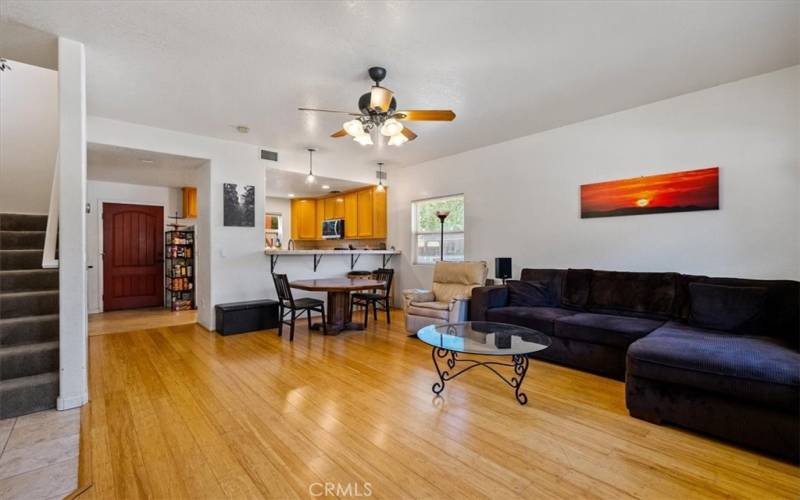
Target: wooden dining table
x=338 y=308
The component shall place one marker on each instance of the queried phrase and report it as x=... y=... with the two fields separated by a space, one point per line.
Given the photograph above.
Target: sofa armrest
x=417 y=295
x=485 y=298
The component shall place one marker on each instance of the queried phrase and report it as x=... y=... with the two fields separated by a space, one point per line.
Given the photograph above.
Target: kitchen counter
x=273 y=251
x=317 y=254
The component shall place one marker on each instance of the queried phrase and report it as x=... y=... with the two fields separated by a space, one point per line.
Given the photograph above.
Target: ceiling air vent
x=269 y=155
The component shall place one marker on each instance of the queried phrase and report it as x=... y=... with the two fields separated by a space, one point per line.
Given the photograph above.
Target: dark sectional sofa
x=715 y=355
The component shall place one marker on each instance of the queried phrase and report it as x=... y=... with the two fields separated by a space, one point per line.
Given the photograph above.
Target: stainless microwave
x=333 y=229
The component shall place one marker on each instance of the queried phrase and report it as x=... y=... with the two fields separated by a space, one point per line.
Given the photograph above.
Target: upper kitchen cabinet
x=365 y=217
x=351 y=215
x=320 y=216
x=304 y=220
x=363 y=211
x=379 y=224
x=189 y=202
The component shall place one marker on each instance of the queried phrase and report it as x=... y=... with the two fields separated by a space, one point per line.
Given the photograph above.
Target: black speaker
x=502 y=267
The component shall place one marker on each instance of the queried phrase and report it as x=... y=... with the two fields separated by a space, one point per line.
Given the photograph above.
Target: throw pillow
x=528 y=293
x=734 y=309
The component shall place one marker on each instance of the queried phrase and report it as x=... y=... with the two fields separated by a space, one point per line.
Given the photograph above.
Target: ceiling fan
x=379 y=112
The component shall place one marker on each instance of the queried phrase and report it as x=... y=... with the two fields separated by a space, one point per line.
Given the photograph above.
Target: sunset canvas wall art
x=687 y=191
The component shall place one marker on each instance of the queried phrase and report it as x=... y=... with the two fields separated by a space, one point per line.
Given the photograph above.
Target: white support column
x=73 y=319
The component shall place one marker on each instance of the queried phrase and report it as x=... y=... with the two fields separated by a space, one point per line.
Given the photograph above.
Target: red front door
x=133 y=256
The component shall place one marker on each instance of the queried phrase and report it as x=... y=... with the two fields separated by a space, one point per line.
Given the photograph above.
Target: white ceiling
x=279 y=183
x=133 y=166
x=507 y=69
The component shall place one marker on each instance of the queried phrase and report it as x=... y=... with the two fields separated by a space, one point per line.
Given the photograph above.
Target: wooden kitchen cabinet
x=329 y=207
x=321 y=202
x=189 y=202
x=364 y=212
x=351 y=215
x=365 y=217
x=379 y=224
x=338 y=207
x=304 y=219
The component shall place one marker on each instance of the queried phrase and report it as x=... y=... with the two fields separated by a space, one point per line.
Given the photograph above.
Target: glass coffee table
x=484 y=339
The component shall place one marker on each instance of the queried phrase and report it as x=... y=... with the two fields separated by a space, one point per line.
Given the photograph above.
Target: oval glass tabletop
x=482 y=337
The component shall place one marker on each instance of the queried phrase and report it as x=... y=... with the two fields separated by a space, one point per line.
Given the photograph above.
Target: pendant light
x=380 y=186
x=310 y=177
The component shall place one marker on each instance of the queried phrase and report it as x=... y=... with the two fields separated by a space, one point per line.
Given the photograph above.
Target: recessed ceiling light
x=291 y=195
x=146 y=161
x=242 y=129
x=325 y=186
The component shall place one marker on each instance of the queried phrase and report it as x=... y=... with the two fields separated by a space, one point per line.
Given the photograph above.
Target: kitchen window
x=426 y=229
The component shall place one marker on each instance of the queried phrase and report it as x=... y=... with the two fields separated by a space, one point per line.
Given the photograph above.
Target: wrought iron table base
x=519 y=362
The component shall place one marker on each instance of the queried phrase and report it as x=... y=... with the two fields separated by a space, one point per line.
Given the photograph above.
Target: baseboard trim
x=72 y=402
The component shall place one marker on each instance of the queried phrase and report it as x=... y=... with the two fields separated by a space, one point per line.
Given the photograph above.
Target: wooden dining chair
x=375 y=297
x=288 y=306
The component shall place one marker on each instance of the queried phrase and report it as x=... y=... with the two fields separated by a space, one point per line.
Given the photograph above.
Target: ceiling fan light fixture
x=363 y=139
x=353 y=127
x=391 y=127
x=398 y=140
x=380 y=99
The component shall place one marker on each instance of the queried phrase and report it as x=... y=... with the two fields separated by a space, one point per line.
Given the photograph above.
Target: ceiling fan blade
x=434 y=115
x=330 y=111
x=408 y=133
x=340 y=133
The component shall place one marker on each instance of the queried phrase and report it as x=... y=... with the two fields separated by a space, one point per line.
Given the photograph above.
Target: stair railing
x=50 y=257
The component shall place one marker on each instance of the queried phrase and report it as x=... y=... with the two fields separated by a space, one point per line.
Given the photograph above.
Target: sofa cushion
x=782 y=305
x=529 y=293
x=649 y=295
x=537 y=318
x=734 y=309
x=439 y=310
x=553 y=277
x=761 y=370
x=575 y=288
x=605 y=329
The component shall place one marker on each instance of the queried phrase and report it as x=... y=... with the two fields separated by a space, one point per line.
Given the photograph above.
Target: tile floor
x=39 y=455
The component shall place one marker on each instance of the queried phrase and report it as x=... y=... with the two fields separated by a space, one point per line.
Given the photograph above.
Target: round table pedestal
x=338 y=314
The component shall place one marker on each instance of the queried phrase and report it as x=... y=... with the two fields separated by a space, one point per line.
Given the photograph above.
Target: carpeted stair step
x=23 y=222
x=18 y=304
x=20 y=259
x=22 y=240
x=24 y=395
x=28 y=330
x=28 y=359
x=28 y=280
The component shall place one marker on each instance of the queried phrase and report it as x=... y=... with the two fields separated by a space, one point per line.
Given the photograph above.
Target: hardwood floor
x=137 y=319
x=180 y=412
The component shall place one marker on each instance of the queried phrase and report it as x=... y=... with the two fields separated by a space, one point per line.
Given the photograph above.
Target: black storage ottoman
x=249 y=316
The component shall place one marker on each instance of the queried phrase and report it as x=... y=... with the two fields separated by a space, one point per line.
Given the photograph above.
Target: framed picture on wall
x=239 y=205
x=687 y=191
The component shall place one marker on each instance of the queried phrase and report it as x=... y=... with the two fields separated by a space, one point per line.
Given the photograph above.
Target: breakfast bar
x=318 y=254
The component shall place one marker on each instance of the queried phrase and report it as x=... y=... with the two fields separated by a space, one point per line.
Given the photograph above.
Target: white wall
x=522 y=196
x=99 y=192
x=28 y=137
x=281 y=206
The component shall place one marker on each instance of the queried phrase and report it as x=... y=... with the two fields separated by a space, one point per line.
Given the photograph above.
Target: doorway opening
x=142 y=216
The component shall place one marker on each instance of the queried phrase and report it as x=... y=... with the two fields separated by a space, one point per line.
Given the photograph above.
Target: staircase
x=28 y=318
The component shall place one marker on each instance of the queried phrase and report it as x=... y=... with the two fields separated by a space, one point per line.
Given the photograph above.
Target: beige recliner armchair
x=448 y=300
